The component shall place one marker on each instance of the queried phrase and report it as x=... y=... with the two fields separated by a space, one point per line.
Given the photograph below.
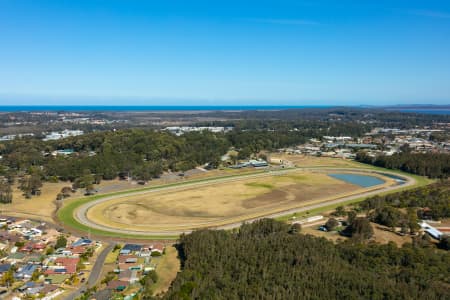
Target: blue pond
x=361 y=180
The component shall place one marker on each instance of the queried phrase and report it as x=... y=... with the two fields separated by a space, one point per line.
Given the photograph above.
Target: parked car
x=323 y=228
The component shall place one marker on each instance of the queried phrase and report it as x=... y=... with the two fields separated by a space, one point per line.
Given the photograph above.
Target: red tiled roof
x=124 y=258
x=68 y=269
x=67 y=260
x=78 y=249
x=27 y=248
x=39 y=246
x=158 y=247
x=114 y=284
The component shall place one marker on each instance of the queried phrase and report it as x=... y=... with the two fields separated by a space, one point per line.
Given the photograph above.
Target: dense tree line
x=265 y=260
x=5 y=192
x=435 y=198
x=433 y=165
x=141 y=153
x=307 y=128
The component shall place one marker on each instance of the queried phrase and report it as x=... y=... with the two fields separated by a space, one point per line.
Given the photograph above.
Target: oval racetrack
x=84 y=213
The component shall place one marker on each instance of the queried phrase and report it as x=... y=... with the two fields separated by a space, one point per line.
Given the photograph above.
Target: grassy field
x=167 y=269
x=38 y=207
x=250 y=195
x=42 y=207
x=218 y=203
x=66 y=213
x=420 y=181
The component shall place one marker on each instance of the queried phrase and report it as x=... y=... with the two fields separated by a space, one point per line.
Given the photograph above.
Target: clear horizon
x=235 y=53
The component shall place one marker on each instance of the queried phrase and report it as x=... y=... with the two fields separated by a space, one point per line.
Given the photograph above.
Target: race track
x=80 y=213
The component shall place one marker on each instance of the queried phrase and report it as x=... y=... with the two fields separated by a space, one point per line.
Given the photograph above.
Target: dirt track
x=81 y=212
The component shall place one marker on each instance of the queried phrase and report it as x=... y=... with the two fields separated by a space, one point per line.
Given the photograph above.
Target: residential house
x=117 y=285
x=4 y=268
x=26 y=271
x=64 y=265
x=130 y=248
x=82 y=242
x=158 y=247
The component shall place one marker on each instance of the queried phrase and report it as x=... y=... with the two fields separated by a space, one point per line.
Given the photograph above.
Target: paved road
x=82 y=210
x=94 y=276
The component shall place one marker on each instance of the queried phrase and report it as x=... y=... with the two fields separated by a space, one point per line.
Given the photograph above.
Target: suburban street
x=94 y=276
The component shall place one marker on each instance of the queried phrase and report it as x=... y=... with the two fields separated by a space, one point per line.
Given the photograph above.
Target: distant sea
x=27 y=108
x=37 y=108
x=436 y=111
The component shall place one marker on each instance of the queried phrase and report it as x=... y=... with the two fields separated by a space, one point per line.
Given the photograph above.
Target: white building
x=63 y=134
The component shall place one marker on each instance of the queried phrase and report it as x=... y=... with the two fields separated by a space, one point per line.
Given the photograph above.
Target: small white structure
x=309 y=220
x=435 y=233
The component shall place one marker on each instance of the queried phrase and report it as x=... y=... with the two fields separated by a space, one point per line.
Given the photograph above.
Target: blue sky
x=230 y=52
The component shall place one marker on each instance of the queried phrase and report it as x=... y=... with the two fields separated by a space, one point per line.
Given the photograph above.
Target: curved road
x=94 y=276
x=81 y=211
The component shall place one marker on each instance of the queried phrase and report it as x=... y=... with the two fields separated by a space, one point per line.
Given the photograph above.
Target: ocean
x=425 y=111
x=36 y=108
x=27 y=108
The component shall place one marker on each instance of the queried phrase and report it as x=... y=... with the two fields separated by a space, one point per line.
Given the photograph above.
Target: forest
x=435 y=198
x=268 y=260
x=433 y=165
x=144 y=153
x=139 y=153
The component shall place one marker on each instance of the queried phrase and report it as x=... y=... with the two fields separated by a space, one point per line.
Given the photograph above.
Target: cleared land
x=38 y=207
x=221 y=203
x=382 y=234
x=42 y=207
x=167 y=268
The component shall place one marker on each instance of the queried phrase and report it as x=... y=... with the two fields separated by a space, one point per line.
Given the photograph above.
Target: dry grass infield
x=220 y=203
